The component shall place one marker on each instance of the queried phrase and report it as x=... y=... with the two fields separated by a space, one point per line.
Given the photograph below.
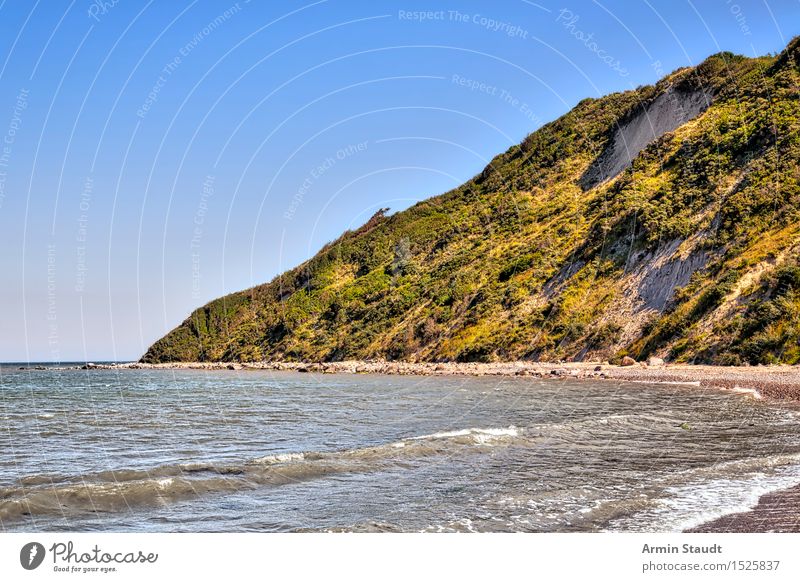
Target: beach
x=769 y=382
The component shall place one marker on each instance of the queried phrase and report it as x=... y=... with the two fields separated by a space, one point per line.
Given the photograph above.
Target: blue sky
x=157 y=155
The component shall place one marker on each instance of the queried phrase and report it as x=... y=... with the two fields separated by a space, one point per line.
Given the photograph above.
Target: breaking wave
x=111 y=491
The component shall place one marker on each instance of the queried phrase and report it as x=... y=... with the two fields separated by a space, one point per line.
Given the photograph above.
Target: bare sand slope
x=665 y=113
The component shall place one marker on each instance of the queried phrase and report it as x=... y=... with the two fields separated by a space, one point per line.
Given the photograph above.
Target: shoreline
x=776 y=383
x=775 y=511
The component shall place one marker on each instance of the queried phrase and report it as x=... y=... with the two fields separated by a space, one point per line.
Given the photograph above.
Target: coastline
x=779 y=383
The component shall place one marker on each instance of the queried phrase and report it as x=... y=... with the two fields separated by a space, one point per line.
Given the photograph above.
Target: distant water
x=160 y=450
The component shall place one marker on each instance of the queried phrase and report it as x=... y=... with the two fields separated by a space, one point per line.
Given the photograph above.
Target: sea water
x=245 y=450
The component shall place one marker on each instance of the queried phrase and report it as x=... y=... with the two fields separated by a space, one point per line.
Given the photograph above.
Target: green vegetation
x=521 y=262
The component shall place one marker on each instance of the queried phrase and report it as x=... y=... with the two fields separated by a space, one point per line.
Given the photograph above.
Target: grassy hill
x=659 y=221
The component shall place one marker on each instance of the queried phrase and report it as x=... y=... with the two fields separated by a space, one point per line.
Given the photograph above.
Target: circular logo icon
x=31 y=555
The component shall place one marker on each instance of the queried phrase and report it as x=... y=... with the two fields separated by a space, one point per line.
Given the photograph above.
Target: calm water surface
x=161 y=450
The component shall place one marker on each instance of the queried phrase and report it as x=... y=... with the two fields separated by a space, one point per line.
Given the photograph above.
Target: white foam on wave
x=280 y=458
x=692 y=504
x=668 y=382
x=478 y=435
x=748 y=391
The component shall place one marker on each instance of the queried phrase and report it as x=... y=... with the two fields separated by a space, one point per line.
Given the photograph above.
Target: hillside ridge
x=658 y=221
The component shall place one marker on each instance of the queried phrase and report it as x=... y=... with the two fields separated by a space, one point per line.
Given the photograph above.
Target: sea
x=132 y=450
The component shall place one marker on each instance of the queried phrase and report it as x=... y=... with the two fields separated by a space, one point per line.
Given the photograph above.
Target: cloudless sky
x=156 y=155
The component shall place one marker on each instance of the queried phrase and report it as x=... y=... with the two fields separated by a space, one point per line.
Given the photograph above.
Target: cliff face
x=661 y=221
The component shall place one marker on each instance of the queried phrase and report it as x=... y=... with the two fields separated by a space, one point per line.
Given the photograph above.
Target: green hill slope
x=661 y=221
